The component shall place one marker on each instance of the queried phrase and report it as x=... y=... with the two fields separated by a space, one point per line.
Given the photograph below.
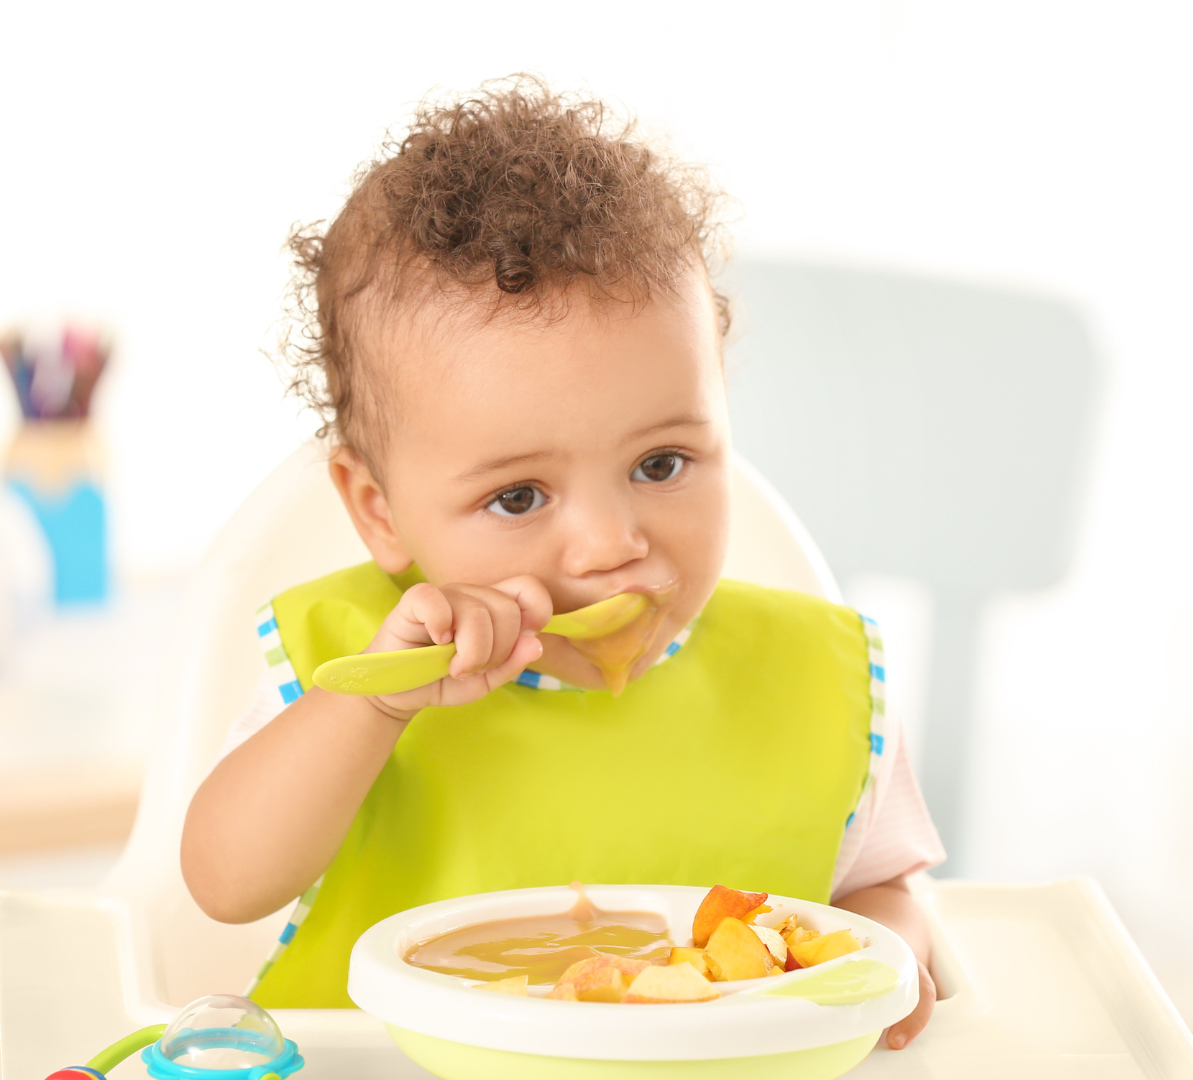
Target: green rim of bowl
x=456 y=1061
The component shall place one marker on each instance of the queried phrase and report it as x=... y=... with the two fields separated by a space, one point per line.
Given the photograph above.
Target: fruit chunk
x=822 y=947
x=681 y=954
x=601 y=978
x=737 y=951
x=794 y=934
x=516 y=984
x=775 y=945
x=750 y=916
x=563 y=992
x=675 y=983
x=723 y=903
x=608 y=986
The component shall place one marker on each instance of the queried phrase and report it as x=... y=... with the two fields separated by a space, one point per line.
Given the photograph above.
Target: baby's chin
x=576 y=670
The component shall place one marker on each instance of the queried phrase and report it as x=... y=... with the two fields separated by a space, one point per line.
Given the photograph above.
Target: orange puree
x=616 y=654
x=543 y=947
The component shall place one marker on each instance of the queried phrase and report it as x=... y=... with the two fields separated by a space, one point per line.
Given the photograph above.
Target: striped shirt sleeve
x=891 y=833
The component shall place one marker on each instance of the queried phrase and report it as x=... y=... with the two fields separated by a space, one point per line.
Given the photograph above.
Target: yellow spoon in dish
x=406 y=669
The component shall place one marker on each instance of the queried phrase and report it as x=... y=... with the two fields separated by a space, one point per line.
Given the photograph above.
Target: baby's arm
x=272 y=815
x=892 y=904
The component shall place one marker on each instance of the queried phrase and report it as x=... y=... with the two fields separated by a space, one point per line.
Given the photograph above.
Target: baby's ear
x=367 y=505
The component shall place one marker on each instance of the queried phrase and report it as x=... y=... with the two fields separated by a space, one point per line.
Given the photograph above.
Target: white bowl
x=455 y=1032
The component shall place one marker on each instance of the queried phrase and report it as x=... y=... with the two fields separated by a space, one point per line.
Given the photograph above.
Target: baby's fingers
x=474 y=634
x=466 y=689
x=488 y=623
x=910 y=1026
x=423 y=616
x=532 y=598
x=526 y=651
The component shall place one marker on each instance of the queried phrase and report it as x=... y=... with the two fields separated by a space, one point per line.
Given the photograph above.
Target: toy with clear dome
x=223 y=1037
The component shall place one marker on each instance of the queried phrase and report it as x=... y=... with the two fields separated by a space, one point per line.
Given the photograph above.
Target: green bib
x=736 y=761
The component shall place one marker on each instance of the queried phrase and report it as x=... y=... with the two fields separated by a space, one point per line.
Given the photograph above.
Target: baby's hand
x=495 y=631
x=911 y=1025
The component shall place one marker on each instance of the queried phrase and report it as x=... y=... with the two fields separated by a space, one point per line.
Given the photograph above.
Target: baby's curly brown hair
x=510 y=196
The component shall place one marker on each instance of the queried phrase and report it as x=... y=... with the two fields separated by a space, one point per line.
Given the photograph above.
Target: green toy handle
x=108 y=1059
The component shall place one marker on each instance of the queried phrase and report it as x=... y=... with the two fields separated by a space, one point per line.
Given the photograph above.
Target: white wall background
x=153 y=157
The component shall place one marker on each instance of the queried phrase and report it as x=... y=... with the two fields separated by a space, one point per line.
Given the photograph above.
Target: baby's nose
x=601 y=540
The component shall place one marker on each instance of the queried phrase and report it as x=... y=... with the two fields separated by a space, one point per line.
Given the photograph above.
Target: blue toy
x=215 y=1038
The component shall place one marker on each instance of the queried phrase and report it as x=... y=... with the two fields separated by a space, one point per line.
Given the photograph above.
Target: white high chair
x=1042 y=980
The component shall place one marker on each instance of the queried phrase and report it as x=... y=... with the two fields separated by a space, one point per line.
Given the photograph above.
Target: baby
x=518 y=348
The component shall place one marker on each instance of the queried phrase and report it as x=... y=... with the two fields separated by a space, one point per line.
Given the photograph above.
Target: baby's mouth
x=614 y=655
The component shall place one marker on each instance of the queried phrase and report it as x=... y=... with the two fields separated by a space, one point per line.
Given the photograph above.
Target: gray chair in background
x=923 y=428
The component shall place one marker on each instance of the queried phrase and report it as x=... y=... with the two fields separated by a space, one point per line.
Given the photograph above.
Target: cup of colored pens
x=53 y=463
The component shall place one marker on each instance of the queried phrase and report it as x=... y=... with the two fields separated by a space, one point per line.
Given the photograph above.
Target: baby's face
x=591 y=452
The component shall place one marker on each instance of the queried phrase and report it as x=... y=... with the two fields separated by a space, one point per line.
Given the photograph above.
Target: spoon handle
x=385 y=672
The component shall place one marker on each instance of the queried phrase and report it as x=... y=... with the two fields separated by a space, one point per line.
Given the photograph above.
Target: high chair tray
x=1038 y=983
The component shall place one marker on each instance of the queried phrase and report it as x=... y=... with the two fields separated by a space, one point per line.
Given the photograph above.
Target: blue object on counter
x=74 y=522
x=161 y=1067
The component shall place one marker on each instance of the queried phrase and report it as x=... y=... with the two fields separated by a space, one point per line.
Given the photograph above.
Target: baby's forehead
x=451 y=359
x=444 y=329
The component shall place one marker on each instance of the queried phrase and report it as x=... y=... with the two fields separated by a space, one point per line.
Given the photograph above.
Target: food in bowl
x=725 y=903
x=812 y=1024
x=617 y=979
x=627 y=957
x=544 y=947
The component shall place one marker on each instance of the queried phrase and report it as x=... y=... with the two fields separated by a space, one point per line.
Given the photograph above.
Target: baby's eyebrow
x=497 y=464
x=683 y=420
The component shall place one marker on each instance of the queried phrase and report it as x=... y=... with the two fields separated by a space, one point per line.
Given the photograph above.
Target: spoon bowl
x=598 y=620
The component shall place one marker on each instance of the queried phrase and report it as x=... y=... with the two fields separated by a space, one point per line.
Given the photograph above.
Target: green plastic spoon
x=394 y=672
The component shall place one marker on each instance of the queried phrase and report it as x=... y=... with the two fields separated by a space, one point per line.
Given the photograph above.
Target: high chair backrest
x=291 y=529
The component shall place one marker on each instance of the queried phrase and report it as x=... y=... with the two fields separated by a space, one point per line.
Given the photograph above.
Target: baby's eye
x=658 y=467
x=517 y=501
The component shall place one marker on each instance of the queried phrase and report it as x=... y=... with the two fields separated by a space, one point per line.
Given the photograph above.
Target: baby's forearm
x=892 y=904
x=272 y=815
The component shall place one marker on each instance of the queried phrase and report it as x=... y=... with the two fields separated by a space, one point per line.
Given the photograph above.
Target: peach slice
x=738 y=952
x=823 y=947
x=723 y=903
x=601 y=978
x=788 y=924
x=516 y=984
x=681 y=954
x=761 y=909
x=794 y=934
x=563 y=992
x=775 y=945
x=608 y=985
x=673 y=984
